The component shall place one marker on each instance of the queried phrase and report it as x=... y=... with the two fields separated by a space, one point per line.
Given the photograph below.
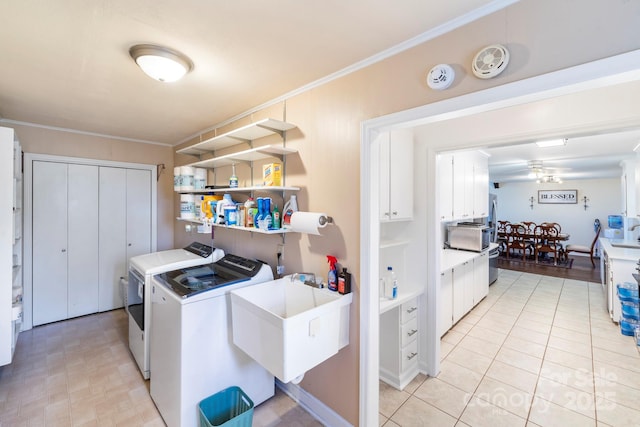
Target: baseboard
x=312 y=405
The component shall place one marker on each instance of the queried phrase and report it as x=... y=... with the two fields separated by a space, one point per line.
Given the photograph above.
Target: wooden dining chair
x=585 y=249
x=502 y=235
x=516 y=239
x=546 y=243
x=530 y=228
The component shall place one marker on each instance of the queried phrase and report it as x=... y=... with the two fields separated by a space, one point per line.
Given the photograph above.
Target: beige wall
x=542 y=36
x=54 y=142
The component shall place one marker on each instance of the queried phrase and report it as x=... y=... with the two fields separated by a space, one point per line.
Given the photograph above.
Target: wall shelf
x=236 y=227
x=240 y=189
x=246 y=156
x=257 y=130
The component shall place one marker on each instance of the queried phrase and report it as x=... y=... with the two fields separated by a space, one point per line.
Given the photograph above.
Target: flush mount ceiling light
x=549 y=179
x=161 y=63
x=552 y=142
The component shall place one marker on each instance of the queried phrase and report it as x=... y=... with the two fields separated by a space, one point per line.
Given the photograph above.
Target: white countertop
x=613 y=252
x=452 y=257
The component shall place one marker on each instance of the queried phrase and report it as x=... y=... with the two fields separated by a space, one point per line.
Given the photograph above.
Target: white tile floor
x=80 y=373
x=538 y=351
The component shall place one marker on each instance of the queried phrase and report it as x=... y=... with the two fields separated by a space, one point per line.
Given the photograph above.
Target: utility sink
x=289 y=327
x=629 y=244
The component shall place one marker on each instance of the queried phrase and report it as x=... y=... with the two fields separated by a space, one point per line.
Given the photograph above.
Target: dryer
x=141 y=269
x=192 y=350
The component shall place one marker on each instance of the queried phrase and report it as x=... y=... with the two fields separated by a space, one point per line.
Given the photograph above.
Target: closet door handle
x=64 y=250
x=412 y=355
x=412 y=332
x=412 y=309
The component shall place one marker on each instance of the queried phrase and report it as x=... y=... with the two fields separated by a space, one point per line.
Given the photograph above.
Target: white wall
x=604 y=196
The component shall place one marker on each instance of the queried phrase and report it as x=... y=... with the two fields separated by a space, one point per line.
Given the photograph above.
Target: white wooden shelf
x=253 y=131
x=236 y=227
x=404 y=295
x=385 y=244
x=240 y=189
x=251 y=155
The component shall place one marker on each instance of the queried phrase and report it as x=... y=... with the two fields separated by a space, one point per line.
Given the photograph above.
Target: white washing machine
x=192 y=350
x=141 y=269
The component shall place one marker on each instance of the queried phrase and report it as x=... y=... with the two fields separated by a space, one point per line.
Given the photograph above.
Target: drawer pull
x=412 y=355
x=411 y=310
x=412 y=332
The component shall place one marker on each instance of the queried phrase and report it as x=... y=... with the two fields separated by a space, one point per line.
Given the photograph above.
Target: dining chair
x=502 y=235
x=585 y=249
x=516 y=239
x=546 y=243
x=530 y=228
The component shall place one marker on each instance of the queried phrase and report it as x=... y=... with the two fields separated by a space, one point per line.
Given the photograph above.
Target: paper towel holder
x=324 y=220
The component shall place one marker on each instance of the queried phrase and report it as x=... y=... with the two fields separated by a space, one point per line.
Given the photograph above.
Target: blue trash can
x=230 y=407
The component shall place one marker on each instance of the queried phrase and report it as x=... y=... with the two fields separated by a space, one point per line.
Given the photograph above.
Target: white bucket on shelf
x=200 y=178
x=177 y=179
x=187 y=178
x=187 y=206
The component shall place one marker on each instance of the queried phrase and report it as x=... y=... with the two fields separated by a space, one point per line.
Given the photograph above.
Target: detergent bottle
x=226 y=201
x=332 y=277
x=289 y=208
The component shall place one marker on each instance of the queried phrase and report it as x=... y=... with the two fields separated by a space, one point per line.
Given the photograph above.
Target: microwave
x=469 y=236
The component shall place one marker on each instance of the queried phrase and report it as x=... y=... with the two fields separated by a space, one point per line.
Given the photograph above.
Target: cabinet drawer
x=408 y=310
x=409 y=332
x=409 y=355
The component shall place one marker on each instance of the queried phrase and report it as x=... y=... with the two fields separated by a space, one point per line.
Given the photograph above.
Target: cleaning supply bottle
x=268 y=221
x=249 y=212
x=344 y=282
x=289 y=208
x=275 y=220
x=390 y=284
x=233 y=180
x=260 y=214
x=332 y=276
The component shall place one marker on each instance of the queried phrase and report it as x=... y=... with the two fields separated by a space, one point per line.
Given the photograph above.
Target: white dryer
x=192 y=350
x=141 y=269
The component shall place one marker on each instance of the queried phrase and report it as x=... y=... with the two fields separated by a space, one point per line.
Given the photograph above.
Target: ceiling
x=66 y=64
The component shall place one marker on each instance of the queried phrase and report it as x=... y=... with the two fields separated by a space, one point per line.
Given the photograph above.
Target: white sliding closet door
x=138 y=212
x=83 y=235
x=112 y=236
x=49 y=242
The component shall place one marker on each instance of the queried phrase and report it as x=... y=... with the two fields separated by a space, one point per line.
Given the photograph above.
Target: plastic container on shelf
x=187 y=206
x=390 y=284
x=187 y=178
x=177 y=179
x=230 y=407
x=199 y=179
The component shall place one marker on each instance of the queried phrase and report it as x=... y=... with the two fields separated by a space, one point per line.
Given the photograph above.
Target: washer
x=192 y=351
x=141 y=269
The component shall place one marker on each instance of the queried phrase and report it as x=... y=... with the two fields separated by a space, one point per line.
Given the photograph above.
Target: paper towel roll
x=309 y=222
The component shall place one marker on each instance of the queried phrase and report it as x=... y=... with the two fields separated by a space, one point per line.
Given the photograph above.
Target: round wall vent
x=440 y=77
x=490 y=61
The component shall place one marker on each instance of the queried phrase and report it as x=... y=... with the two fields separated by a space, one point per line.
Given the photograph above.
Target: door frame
x=28 y=159
x=601 y=73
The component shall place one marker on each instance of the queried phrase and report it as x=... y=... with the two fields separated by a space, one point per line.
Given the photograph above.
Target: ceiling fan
x=543 y=174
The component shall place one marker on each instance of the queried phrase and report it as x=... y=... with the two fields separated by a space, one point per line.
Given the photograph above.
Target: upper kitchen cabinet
x=11 y=288
x=396 y=176
x=463 y=185
x=630 y=182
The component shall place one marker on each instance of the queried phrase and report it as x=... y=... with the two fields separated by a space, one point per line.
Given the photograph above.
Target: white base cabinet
x=462 y=288
x=399 y=344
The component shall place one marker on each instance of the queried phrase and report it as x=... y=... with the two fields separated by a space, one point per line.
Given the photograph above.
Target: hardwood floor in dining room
x=581 y=268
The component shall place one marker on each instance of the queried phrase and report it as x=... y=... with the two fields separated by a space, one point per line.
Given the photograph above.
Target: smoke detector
x=490 y=61
x=440 y=77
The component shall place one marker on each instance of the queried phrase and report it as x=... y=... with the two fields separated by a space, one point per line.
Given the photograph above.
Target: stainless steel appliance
x=470 y=236
x=192 y=350
x=141 y=269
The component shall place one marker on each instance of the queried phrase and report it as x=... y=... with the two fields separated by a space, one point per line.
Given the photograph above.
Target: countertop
x=627 y=254
x=452 y=257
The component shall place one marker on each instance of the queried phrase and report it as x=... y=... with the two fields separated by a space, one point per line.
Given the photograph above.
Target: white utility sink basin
x=289 y=327
x=629 y=244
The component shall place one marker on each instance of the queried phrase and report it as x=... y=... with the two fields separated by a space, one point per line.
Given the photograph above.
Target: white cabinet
x=11 y=288
x=65 y=256
x=396 y=176
x=399 y=353
x=87 y=221
x=463 y=181
x=446 y=301
x=462 y=288
x=125 y=228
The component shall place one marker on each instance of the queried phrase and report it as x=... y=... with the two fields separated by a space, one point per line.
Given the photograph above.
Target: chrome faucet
x=633 y=227
x=308 y=279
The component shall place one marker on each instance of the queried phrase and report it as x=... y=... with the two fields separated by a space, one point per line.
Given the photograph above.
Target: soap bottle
x=390 y=284
x=289 y=208
x=344 y=282
x=332 y=276
x=267 y=213
x=275 y=223
x=260 y=214
x=233 y=180
x=249 y=211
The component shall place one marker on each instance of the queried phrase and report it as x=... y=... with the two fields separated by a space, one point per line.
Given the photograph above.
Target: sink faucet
x=308 y=279
x=633 y=227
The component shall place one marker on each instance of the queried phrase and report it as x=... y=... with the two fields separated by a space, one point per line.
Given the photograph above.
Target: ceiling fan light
x=552 y=142
x=161 y=63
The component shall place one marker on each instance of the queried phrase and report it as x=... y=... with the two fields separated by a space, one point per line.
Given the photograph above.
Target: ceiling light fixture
x=161 y=63
x=552 y=143
x=549 y=179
